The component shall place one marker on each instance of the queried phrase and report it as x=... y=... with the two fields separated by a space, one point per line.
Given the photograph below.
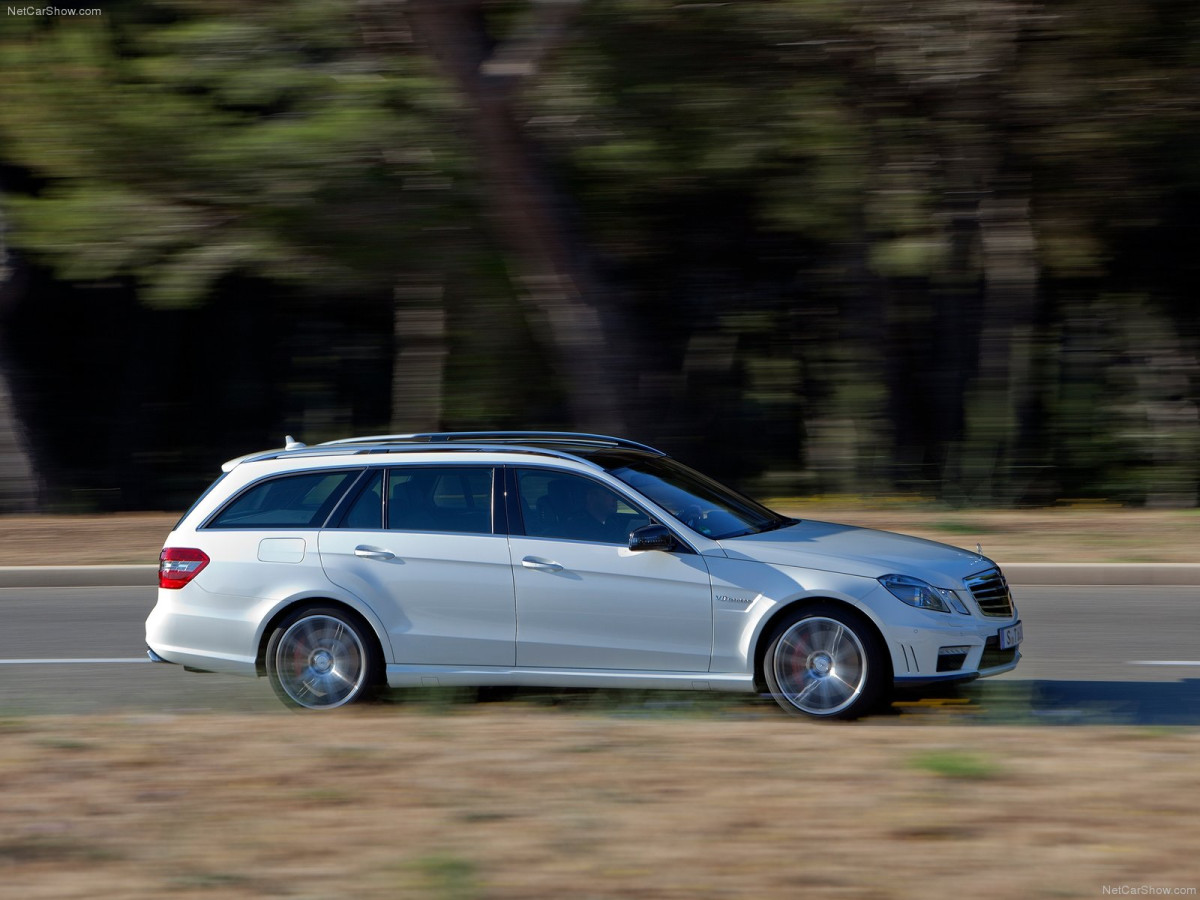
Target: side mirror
x=651 y=537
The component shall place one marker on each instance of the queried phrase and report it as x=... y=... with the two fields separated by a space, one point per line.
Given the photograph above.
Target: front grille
x=990 y=590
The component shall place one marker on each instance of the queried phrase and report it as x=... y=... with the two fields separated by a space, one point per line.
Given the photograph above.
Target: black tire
x=323 y=657
x=825 y=662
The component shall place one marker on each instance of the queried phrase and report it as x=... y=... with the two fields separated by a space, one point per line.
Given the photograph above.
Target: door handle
x=541 y=565
x=364 y=552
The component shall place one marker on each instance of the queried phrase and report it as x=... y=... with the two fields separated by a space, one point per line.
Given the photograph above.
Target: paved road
x=1091 y=654
x=1106 y=654
x=86 y=623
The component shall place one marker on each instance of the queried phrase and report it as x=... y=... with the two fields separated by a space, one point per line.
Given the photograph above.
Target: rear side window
x=290 y=501
x=445 y=499
x=365 y=512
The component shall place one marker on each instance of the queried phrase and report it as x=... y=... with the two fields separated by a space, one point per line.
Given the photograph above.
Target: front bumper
x=932 y=655
x=910 y=681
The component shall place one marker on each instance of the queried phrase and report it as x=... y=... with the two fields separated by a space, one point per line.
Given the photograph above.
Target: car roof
x=564 y=444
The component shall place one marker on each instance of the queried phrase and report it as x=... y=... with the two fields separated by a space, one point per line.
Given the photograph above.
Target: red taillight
x=179 y=565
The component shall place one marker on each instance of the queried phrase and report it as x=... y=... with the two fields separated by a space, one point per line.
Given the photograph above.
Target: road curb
x=1110 y=574
x=77 y=576
x=1144 y=574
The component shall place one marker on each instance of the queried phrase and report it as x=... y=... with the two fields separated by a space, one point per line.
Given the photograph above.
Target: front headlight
x=922 y=595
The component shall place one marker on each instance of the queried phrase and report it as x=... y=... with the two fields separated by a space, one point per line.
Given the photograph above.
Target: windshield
x=704 y=505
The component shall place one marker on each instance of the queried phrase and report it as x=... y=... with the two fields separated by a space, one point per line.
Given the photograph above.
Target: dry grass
x=126 y=539
x=505 y=802
x=1085 y=533
x=1075 y=534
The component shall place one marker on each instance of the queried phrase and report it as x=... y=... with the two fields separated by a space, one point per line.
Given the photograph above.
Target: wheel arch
x=370 y=626
x=765 y=633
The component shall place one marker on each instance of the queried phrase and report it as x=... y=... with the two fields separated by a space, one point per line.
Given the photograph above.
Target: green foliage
x=956 y=764
x=191 y=142
x=446 y=876
x=898 y=158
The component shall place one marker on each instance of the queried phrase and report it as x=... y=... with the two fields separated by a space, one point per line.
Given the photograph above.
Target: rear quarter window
x=286 y=501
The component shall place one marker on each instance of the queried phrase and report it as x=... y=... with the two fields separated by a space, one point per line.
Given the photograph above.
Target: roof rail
x=534 y=441
x=499 y=437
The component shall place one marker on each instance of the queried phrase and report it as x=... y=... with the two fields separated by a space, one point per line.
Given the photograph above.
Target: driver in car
x=598 y=519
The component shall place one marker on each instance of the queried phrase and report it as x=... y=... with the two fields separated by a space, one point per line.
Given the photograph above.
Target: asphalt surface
x=83 y=650
x=1110 y=653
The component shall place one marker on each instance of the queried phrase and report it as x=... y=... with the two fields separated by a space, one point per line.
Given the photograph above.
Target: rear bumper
x=202 y=631
x=154 y=657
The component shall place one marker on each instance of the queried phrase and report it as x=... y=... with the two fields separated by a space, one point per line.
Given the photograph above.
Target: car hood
x=858 y=551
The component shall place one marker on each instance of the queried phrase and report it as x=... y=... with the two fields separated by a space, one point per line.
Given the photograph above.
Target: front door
x=584 y=600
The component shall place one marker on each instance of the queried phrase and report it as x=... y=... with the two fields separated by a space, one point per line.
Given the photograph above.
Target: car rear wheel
x=322 y=658
x=825 y=662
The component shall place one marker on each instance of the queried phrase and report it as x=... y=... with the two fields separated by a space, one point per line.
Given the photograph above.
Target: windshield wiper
x=773 y=525
x=781 y=522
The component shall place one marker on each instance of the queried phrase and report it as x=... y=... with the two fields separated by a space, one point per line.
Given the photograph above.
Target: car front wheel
x=322 y=658
x=825 y=662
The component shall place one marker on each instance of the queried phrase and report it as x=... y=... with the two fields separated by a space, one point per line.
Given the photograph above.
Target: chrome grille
x=990 y=590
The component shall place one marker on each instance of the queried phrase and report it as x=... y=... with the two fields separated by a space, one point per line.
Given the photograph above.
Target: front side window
x=573 y=508
x=699 y=502
x=289 y=501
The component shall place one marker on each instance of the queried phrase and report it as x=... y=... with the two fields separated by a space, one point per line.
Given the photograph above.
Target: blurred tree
x=1118 y=177
x=943 y=247
x=181 y=143
x=267 y=137
x=18 y=483
x=490 y=55
x=895 y=188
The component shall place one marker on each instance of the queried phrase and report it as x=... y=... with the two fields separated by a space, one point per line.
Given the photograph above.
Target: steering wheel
x=693 y=517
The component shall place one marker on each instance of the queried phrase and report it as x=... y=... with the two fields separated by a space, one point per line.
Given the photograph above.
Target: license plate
x=1010 y=636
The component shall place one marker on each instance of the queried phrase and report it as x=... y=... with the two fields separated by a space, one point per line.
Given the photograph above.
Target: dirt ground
x=504 y=802
x=1068 y=534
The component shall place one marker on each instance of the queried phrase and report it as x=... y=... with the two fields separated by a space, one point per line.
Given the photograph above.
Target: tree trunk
x=418 y=370
x=18 y=480
x=987 y=208
x=1008 y=339
x=568 y=308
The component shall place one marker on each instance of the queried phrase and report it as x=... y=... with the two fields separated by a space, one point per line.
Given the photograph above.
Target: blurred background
x=944 y=249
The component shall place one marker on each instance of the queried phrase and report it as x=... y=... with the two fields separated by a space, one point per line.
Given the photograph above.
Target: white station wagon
x=556 y=560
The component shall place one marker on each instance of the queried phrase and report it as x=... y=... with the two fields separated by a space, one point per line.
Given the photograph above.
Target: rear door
x=419 y=544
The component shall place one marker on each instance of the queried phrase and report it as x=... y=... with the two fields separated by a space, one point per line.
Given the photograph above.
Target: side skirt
x=488 y=676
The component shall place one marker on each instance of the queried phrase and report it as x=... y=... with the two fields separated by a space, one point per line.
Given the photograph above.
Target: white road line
x=1163 y=662
x=59 y=662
